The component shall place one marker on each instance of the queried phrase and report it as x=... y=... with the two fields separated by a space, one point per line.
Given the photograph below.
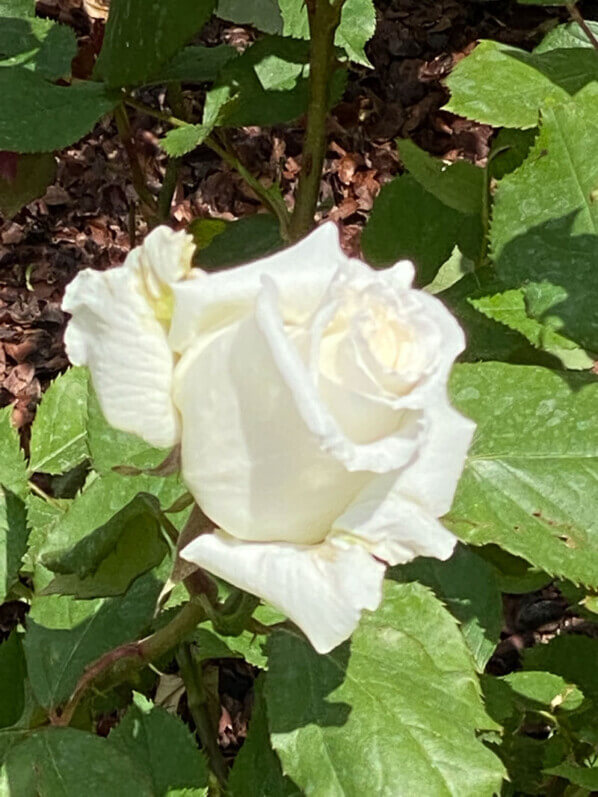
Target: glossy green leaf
x=586 y=777
x=34 y=175
x=403 y=690
x=572 y=656
x=12 y=680
x=511 y=309
x=59 y=431
x=195 y=64
x=504 y=86
x=212 y=645
x=261 y=14
x=266 y=85
x=566 y=36
x=13 y=490
x=109 y=447
x=142 y=36
x=41 y=117
x=545 y=226
x=409 y=222
x=57 y=656
x=242 y=241
x=357 y=25
x=468 y=587
x=162 y=747
x=459 y=185
x=257 y=771
x=535 y=452
x=17 y=8
x=40 y=45
x=61 y=762
x=181 y=140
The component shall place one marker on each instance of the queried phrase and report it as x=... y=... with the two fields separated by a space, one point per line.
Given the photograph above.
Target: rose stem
x=148 y=202
x=119 y=664
x=324 y=17
x=271 y=199
x=198 y=706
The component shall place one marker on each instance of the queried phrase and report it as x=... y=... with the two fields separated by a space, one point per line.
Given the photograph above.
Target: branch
x=198 y=706
x=146 y=197
x=271 y=199
x=324 y=18
x=119 y=664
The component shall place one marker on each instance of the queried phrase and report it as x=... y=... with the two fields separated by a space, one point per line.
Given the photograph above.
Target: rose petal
x=254 y=466
x=322 y=588
x=301 y=273
x=392 y=527
x=114 y=330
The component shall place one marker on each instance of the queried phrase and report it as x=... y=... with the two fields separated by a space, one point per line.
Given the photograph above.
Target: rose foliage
x=258 y=539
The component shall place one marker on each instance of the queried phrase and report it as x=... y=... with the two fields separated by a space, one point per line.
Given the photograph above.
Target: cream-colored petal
x=115 y=333
x=431 y=479
x=162 y=259
x=253 y=465
x=392 y=527
x=322 y=588
x=301 y=273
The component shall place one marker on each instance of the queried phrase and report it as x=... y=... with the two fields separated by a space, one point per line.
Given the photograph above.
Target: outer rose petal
x=114 y=330
x=301 y=273
x=322 y=588
x=392 y=527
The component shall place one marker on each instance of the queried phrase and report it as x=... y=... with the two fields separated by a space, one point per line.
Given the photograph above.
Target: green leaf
x=110 y=447
x=13 y=490
x=212 y=645
x=95 y=508
x=57 y=656
x=17 y=8
x=105 y=562
x=467 y=585
x=40 y=45
x=504 y=86
x=409 y=222
x=142 y=36
x=356 y=28
x=511 y=309
x=566 y=36
x=266 y=85
x=487 y=339
x=357 y=25
x=195 y=64
x=544 y=689
x=572 y=656
x=586 y=777
x=257 y=771
x=262 y=14
x=509 y=149
x=242 y=241
x=40 y=117
x=459 y=185
x=59 y=431
x=181 y=140
x=403 y=690
x=535 y=452
x=545 y=227
x=65 y=761
x=34 y=175
x=162 y=747
x=12 y=680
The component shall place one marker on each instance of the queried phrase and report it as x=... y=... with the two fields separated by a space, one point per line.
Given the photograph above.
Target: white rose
x=317 y=433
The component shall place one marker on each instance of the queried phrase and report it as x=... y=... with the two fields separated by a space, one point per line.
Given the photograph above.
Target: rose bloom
x=309 y=395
